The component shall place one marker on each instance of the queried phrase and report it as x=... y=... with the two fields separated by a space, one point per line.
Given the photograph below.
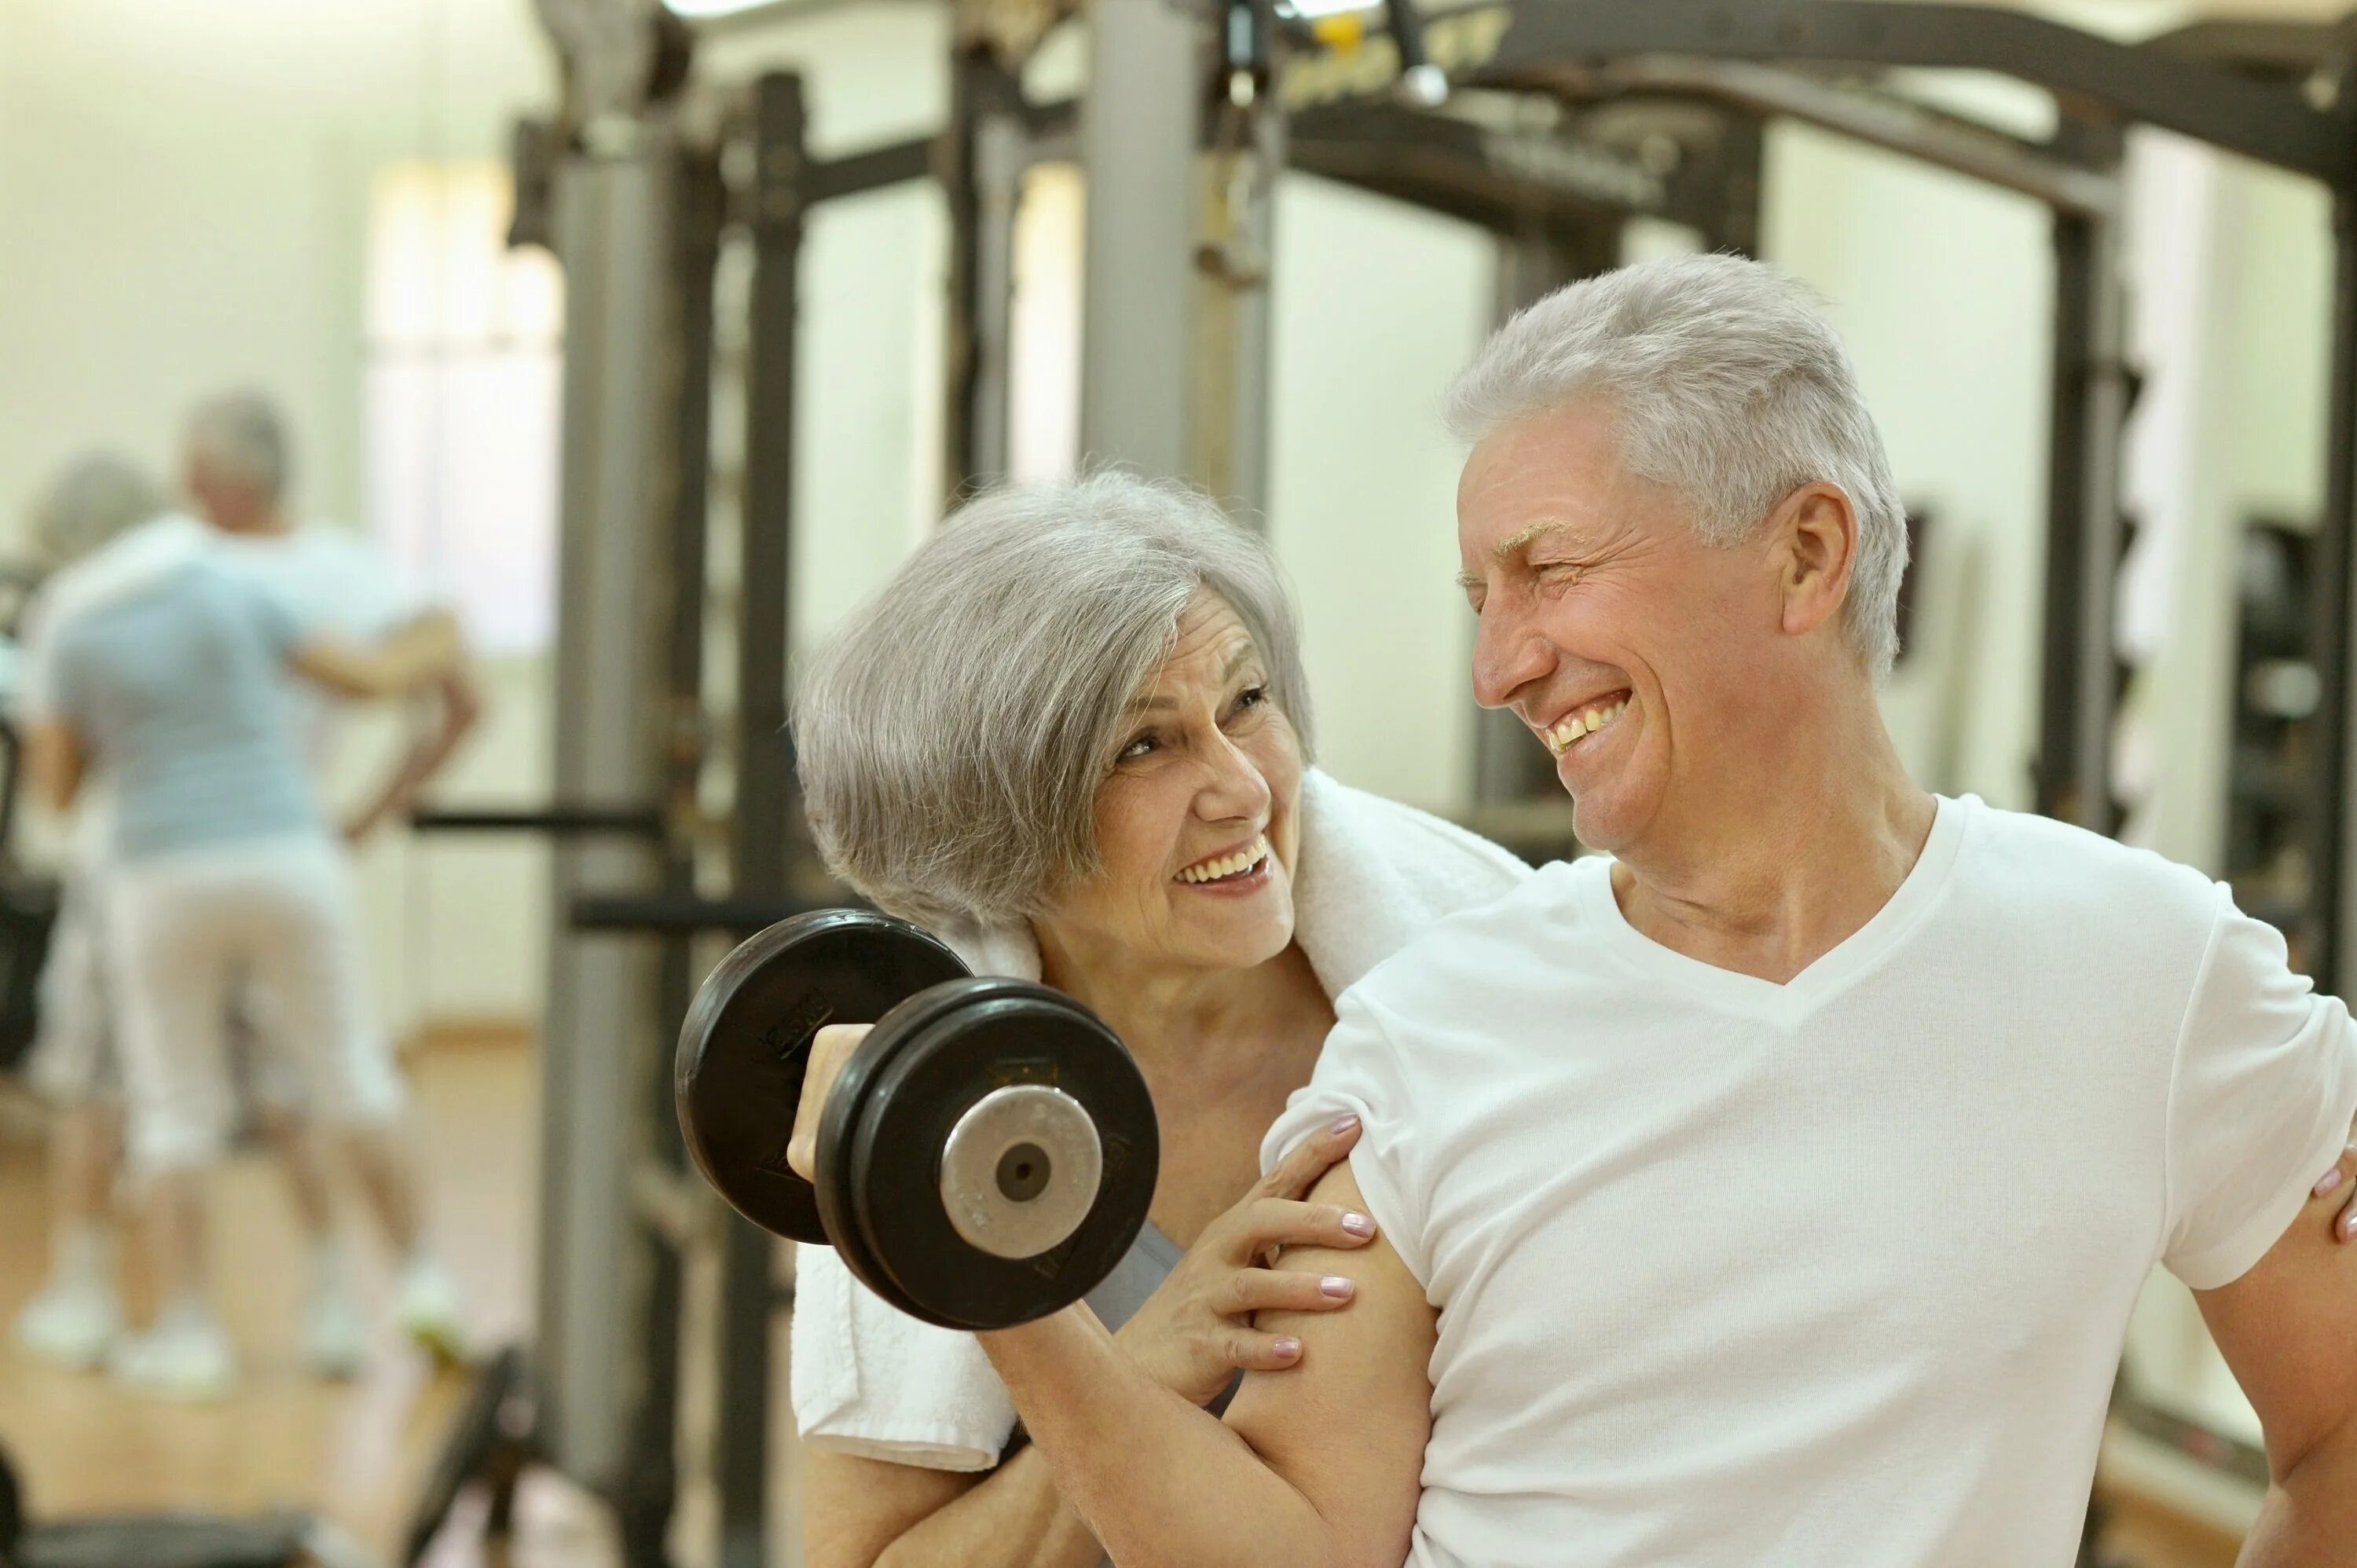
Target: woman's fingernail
x=1358 y=1225
x=1288 y=1349
x=2349 y=1226
x=1335 y=1285
x=1343 y=1123
x=2331 y=1180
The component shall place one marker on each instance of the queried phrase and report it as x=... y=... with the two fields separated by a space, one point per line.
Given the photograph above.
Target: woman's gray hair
x=91 y=499
x=952 y=735
x=1728 y=387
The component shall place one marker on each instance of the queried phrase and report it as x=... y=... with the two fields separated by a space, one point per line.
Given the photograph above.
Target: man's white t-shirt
x=343 y=586
x=1835 y=1272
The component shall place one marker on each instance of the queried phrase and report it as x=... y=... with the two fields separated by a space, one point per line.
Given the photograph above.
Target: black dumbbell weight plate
x=839 y=1175
x=746 y=1044
x=1037 y=1090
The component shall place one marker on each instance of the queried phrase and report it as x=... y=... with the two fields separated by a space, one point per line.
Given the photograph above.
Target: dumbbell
x=987 y=1154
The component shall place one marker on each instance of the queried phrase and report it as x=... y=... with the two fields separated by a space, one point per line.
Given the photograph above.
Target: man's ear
x=1814 y=535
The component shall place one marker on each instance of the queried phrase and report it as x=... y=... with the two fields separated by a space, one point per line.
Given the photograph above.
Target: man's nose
x=1508 y=654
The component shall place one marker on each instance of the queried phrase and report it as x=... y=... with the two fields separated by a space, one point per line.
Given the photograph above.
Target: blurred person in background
x=221 y=873
x=237 y=458
x=102 y=517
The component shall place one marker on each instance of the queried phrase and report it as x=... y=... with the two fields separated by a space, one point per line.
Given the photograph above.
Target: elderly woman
x=1071 y=737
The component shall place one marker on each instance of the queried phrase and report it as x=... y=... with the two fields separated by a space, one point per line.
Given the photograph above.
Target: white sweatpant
x=277 y=915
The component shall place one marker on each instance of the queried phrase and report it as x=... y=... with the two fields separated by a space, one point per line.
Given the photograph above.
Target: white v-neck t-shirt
x=1833 y=1271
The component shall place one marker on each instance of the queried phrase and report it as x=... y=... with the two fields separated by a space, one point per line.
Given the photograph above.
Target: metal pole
x=980 y=159
x=613 y=214
x=2329 y=945
x=1138 y=139
x=765 y=794
x=2079 y=685
x=1229 y=425
x=648 y=1489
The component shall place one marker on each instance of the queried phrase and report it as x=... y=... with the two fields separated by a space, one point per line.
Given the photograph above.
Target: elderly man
x=1649 y=1140
x=237 y=461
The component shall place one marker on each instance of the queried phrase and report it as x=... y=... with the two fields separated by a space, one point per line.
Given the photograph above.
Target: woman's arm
x=1316 y=1467
x=869 y=1513
x=54 y=762
x=424 y=650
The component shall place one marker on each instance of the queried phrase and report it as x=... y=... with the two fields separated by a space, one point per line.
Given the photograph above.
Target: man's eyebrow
x=1508 y=547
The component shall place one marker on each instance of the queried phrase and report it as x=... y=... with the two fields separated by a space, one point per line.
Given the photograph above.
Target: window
x=462 y=398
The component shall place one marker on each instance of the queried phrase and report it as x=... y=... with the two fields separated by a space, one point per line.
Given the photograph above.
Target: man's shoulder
x=1536 y=923
x=2062 y=869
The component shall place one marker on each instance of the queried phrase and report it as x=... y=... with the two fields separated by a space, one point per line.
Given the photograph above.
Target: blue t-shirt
x=178 y=691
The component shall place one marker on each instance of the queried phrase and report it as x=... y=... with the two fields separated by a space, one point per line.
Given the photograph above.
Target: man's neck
x=268 y=522
x=1792 y=856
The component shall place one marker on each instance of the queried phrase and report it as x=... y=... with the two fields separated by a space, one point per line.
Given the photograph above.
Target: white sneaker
x=334 y=1336
x=70 y=1325
x=429 y=1311
x=184 y=1357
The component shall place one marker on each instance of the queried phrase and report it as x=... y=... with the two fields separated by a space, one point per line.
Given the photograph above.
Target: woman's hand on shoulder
x=1194 y=1332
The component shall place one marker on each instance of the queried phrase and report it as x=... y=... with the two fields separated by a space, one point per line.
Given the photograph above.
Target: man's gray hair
x=1728 y=387
x=953 y=734
x=241 y=434
x=91 y=499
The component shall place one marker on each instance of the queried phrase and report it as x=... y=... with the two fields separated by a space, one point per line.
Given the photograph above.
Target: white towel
x=871 y=1380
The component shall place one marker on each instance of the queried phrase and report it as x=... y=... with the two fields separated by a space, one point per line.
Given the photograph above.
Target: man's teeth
x=1228 y=864
x=1586 y=722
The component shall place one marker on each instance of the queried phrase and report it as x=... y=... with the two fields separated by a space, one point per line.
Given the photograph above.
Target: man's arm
x=2285 y=1330
x=457 y=706
x=423 y=651
x=53 y=761
x=1316 y=1467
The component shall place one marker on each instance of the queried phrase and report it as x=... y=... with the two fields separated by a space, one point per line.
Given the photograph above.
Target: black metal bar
x=2287 y=51
x=2268 y=121
x=954 y=156
x=2332 y=933
x=687 y=913
x=1503 y=181
x=650 y=1488
x=1721 y=193
x=555 y=822
x=855 y=173
x=2080 y=678
x=764 y=777
x=2056 y=766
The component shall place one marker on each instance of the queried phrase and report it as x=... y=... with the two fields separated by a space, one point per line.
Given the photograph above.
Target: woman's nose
x=1234 y=786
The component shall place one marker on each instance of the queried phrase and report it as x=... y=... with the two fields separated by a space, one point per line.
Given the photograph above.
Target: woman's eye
x=1138 y=748
x=1251 y=696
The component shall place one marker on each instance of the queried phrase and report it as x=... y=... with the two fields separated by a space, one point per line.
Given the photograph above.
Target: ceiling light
x=693 y=8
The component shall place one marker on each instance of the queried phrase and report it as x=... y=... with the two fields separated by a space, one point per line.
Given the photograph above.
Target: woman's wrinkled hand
x=1195 y=1331
x=829 y=1050
x=2343 y=1179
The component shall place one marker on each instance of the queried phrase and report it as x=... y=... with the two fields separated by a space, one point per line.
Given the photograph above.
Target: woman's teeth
x=1586 y=722
x=1245 y=859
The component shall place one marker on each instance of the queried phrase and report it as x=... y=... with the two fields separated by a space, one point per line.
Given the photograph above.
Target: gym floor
x=357 y=1453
